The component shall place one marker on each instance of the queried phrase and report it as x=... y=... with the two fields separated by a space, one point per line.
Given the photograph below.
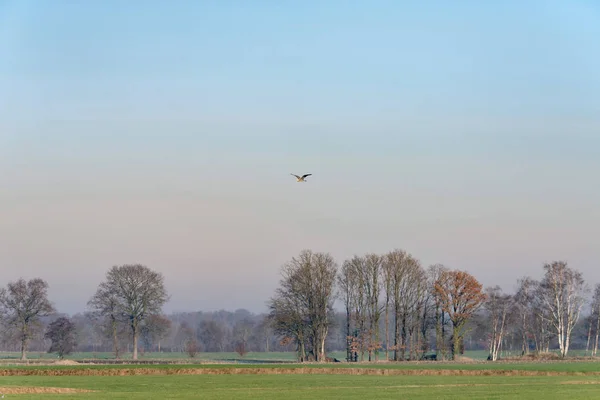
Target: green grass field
x=551 y=380
x=312 y=387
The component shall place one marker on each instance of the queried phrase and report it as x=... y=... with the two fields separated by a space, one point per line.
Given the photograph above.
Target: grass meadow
x=212 y=379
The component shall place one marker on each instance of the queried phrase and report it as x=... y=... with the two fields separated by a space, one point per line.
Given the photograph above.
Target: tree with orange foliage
x=460 y=296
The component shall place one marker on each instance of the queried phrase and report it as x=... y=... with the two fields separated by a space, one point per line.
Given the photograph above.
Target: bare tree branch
x=22 y=304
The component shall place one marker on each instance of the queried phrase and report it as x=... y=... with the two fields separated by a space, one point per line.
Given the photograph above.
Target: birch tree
x=497 y=305
x=596 y=316
x=563 y=294
x=541 y=322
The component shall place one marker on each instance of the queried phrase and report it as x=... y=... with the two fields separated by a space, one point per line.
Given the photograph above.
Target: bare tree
x=306 y=294
x=360 y=305
x=213 y=334
x=287 y=318
x=524 y=300
x=263 y=334
x=241 y=333
x=387 y=272
x=460 y=295
x=498 y=305
x=562 y=292
x=596 y=314
x=364 y=274
x=139 y=293
x=22 y=304
x=407 y=277
x=373 y=266
x=154 y=329
x=417 y=317
x=588 y=322
x=346 y=293
x=315 y=281
x=541 y=325
x=435 y=274
x=192 y=347
x=107 y=313
x=426 y=317
x=241 y=348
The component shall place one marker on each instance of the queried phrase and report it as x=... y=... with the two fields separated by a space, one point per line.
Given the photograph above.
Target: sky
x=164 y=133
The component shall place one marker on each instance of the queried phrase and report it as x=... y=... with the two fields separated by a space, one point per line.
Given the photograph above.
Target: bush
x=62 y=334
x=192 y=347
x=240 y=348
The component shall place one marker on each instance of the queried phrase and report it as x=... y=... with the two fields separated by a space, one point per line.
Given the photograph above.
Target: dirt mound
x=537 y=357
x=464 y=359
x=65 y=362
x=39 y=390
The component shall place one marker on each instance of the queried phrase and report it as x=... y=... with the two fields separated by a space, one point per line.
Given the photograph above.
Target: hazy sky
x=164 y=133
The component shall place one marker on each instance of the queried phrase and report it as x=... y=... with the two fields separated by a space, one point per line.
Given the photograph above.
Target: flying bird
x=301 y=178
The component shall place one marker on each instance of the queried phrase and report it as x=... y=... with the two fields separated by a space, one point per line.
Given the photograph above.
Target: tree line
x=393 y=308
x=396 y=308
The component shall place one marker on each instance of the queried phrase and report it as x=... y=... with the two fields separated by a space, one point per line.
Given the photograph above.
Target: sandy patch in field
x=65 y=362
x=465 y=360
x=451 y=385
x=39 y=390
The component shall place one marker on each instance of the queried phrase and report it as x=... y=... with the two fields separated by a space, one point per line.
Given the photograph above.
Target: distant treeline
x=393 y=308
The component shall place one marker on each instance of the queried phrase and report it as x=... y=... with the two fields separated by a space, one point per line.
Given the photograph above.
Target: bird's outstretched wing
x=305 y=175
x=295 y=176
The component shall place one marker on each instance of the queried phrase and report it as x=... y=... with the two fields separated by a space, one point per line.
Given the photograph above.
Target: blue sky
x=164 y=133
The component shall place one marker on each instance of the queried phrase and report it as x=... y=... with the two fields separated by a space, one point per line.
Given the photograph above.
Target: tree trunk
x=302 y=351
x=348 y=339
x=491 y=346
x=322 y=356
x=267 y=343
x=397 y=338
x=597 y=333
x=524 y=344
x=135 y=339
x=135 y=347
x=387 y=331
x=438 y=333
x=412 y=338
x=589 y=335
x=567 y=342
x=370 y=341
x=403 y=349
x=24 y=349
x=115 y=339
x=456 y=346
